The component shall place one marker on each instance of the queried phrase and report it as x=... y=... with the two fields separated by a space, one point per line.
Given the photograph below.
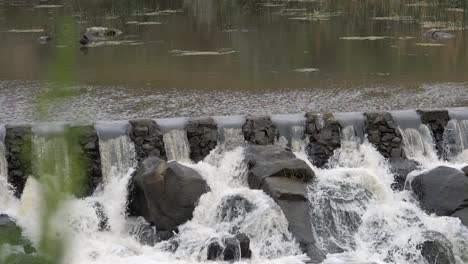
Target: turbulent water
x=356 y=216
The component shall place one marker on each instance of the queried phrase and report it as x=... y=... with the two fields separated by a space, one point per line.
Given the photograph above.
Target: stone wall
x=436 y=120
x=259 y=130
x=202 y=135
x=324 y=134
x=148 y=139
x=384 y=134
x=18 y=147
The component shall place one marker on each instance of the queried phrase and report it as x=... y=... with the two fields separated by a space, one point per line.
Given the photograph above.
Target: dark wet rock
x=11 y=234
x=101 y=214
x=18 y=146
x=259 y=130
x=436 y=120
x=401 y=168
x=229 y=248
x=284 y=178
x=324 y=134
x=442 y=190
x=233 y=207
x=88 y=140
x=437 y=251
x=148 y=139
x=465 y=170
x=437 y=34
x=202 y=135
x=383 y=133
x=147 y=234
x=165 y=194
x=274 y=161
x=462 y=213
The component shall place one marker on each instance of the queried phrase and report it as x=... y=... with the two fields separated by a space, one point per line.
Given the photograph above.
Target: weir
x=349 y=211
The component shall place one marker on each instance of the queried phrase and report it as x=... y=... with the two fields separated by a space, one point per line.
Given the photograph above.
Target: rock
x=202 y=135
x=18 y=147
x=437 y=252
x=442 y=190
x=234 y=207
x=383 y=134
x=465 y=170
x=11 y=234
x=462 y=214
x=88 y=140
x=147 y=234
x=148 y=139
x=401 y=168
x=274 y=161
x=284 y=178
x=244 y=242
x=436 y=120
x=324 y=134
x=44 y=39
x=259 y=130
x=229 y=248
x=165 y=194
x=103 y=219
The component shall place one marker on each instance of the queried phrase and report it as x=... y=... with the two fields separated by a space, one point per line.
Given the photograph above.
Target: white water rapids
x=356 y=216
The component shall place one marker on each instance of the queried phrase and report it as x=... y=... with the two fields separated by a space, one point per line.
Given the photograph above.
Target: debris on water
x=406 y=19
x=47 y=6
x=202 y=53
x=317 y=16
x=460 y=10
x=306 y=70
x=422 y=4
x=405 y=38
x=163 y=12
x=143 y=23
x=44 y=39
x=438 y=34
x=366 y=38
x=430 y=44
x=97 y=34
x=32 y=30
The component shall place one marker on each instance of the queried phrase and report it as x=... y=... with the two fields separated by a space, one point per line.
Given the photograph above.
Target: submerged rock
x=437 y=250
x=165 y=194
x=284 y=178
x=442 y=190
x=437 y=34
x=234 y=207
x=401 y=168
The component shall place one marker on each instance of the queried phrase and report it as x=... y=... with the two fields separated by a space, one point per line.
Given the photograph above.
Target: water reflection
x=243 y=44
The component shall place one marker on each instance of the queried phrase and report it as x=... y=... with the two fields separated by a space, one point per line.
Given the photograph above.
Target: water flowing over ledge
x=360 y=204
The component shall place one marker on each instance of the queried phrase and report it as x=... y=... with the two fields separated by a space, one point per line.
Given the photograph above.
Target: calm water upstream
x=212 y=57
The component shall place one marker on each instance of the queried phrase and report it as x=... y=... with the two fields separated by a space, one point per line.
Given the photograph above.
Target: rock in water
x=11 y=234
x=260 y=130
x=165 y=194
x=401 y=168
x=465 y=170
x=442 y=190
x=437 y=251
x=437 y=34
x=202 y=135
x=284 y=178
x=98 y=33
x=234 y=207
x=229 y=248
x=244 y=243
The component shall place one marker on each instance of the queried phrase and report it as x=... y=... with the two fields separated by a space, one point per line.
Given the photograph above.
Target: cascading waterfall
x=230 y=134
x=291 y=128
x=177 y=146
x=7 y=198
x=456 y=140
x=116 y=149
x=357 y=218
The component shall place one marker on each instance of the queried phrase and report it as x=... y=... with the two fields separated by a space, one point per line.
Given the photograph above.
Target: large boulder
x=462 y=214
x=165 y=194
x=202 y=135
x=324 y=134
x=442 y=190
x=284 y=178
x=401 y=168
x=260 y=130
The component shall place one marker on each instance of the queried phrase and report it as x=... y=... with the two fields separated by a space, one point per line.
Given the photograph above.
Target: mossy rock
x=11 y=234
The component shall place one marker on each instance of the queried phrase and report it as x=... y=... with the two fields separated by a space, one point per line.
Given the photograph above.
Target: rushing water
x=177 y=146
